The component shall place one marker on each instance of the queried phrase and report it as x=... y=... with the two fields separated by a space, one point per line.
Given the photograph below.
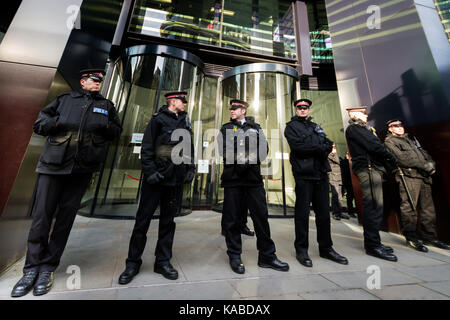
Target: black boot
x=273 y=264
x=128 y=275
x=245 y=230
x=417 y=245
x=25 y=284
x=438 y=244
x=304 y=259
x=44 y=283
x=336 y=216
x=237 y=265
x=167 y=270
x=332 y=255
x=387 y=249
x=378 y=252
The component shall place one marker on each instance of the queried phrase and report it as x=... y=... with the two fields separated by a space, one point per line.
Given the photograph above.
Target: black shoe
x=304 y=259
x=378 y=252
x=336 y=216
x=416 y=244
x=438 y=244
x=274 y=264
x=245 y=230
x=344 y=216
x=25 y=284
x=128 y=275
x=353 y=215
x=44 y=283
x=237 y=266
x=168 y=271
x=387 y=249
x=333 y=256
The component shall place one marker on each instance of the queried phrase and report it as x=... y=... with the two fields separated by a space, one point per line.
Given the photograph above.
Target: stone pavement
x=99 y=248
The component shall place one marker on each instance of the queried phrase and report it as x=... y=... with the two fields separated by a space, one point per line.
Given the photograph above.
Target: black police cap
x=86 y=73
x=364 y=108
x=236 y=103
x=176 y=95
x=297 y=102
x=394 y=120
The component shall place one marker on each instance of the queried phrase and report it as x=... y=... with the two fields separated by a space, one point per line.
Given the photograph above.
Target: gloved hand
x=391 y=164
x=189 y=176
x=155 y=178
x=430 y=168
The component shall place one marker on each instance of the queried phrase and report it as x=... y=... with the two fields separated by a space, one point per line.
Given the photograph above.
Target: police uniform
x=243 y=148
x=162 y=185
x=309 y=152
x=77 y=126
x=417 y=167
x=370 y=163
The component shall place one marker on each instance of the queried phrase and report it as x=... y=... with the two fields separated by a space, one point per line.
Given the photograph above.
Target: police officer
x=163 y=179
x=370 y=163
x=414 y=180
x=243 y=148
x=335 y=178
x=309 y=152
x=77 y=126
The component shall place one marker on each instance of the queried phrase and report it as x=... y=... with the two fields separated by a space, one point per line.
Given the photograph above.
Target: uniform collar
x=165 y=109
x=81 y=92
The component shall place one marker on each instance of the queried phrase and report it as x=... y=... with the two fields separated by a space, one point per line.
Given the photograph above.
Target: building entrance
x=138 y=82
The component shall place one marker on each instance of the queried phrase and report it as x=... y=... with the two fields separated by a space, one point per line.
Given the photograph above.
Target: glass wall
x=139 y=82
x=326 y=111
x=263 y=27
x=443 y=8
x=270 y=96
x=321 y=49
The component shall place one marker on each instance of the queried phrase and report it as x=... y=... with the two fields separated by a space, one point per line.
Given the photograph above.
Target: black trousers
x=241 y=216
x=350 y=198
x=169 y=200
x=253 y=198
x=336 y=198
x=317 y=192
x=372 y=206
x=62 y=192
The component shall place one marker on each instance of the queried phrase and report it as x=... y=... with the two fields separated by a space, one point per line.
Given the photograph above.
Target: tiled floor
x=99 y=248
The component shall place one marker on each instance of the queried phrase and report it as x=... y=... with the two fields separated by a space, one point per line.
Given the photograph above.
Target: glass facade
x=262 y=27
x=321 y=49
x=443 y=7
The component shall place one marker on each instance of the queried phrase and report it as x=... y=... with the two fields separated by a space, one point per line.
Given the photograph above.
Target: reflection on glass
x=203 y=121
x=264 y=27
x=321 y=49
x=270 y=99
x=443 y=8
x=137 y=88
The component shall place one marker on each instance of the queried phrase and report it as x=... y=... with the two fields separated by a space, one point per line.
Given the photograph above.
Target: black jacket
x=365 y=146
x=78 y=126
x=157 y=147
x=309 y=149
x=248 y=149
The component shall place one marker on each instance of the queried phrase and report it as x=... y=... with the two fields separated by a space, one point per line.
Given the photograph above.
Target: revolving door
x=140 y=78
x=269 y=89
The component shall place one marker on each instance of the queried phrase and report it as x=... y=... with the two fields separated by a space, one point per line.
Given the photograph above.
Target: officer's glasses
x=398 y=125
